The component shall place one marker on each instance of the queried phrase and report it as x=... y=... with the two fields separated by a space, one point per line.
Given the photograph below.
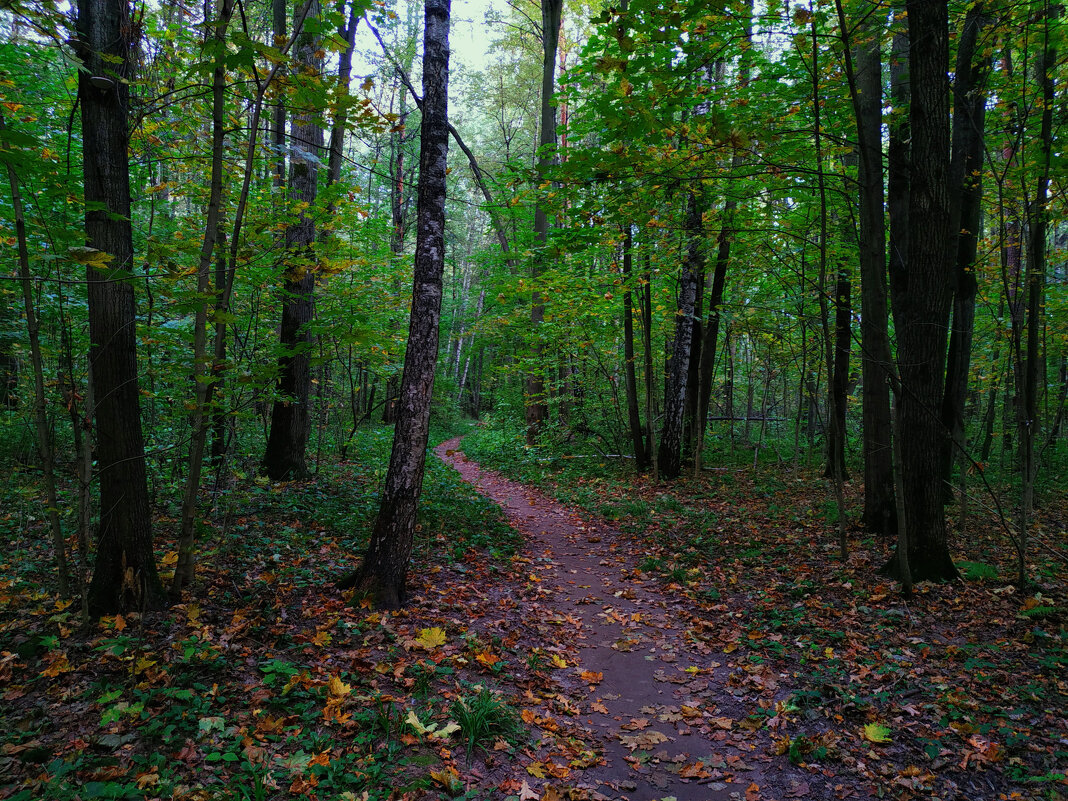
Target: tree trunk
x=537 y=410
x=831 y=347
x=669 y=457
x=398 y=232
x=279 y=10
x=385 y=563
x=897 y=185
x=202 y=383
x=641 y=455
x=287 y=442
x=923 y=293
x=647 y=348
x=838 y=382
x=969 y=120
x=344 y=74
x=222 y=422
x=125 y=577
x=710 y=333
x=865 y=83
x=40 y=415
x=1030 y=359
x=9 y=360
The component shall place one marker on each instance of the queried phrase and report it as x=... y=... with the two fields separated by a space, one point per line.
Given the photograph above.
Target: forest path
x=668 y=711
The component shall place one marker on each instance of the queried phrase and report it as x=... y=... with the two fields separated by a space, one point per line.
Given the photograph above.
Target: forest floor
x=704 y=644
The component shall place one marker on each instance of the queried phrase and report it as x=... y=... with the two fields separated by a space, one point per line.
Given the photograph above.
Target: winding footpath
x=673 y=716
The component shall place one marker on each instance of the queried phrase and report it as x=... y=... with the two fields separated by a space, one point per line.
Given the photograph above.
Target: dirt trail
x=668 y=710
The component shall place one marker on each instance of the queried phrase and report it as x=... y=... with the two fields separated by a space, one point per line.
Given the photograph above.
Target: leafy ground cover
x=961 y=686
x=268 y=684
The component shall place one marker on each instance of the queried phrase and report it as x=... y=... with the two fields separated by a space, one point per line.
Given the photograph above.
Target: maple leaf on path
x=592 y=677
x=430 y=638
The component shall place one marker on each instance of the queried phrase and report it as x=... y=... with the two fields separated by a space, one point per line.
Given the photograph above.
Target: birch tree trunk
x=384 y=570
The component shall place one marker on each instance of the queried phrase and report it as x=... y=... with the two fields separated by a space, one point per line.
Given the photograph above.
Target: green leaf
x=877 y=733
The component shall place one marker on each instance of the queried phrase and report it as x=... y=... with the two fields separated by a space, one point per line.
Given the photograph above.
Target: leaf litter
x=759 y=671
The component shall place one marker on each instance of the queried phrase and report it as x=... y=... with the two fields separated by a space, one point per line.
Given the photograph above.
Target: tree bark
x=203 y=385
x=383 y=572
x=125 y=577
x=969 y=122
x=669 y=457
x=278 y=113
x=285 y=455
x=1030 y=359
x=832 y=360
x=537 y=410
x=897 y=185
x=344 y=75
x=838 y=383
x=865 y=83
x=40 y=400
x=710 y=333
x=923 y=293
x=641 y=455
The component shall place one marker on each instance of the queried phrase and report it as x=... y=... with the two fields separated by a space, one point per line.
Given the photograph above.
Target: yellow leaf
x=322 y=638
x=337 y=688
x=413 y=721
x=90 y=256
x=559 y=661
x=59 y=664
x=143 y=664
x=449 y=779
x=430 y=638
x=536 y=769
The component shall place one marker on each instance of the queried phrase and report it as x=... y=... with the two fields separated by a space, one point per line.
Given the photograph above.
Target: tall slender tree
x=203 y=386
x=125 y=576
x=287 y=442
x=384 y=571
x=863 y=61
x=969 y=122
x=641 y=452
x=537 y=410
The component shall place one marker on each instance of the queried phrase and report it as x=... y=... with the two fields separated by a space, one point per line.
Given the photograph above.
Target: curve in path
x=663 y=707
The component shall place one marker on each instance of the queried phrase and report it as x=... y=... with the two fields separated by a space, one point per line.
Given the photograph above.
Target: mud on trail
x=661 y=712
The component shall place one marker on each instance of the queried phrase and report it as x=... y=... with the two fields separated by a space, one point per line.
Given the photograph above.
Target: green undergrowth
x=266 y=682
x=963 y=673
